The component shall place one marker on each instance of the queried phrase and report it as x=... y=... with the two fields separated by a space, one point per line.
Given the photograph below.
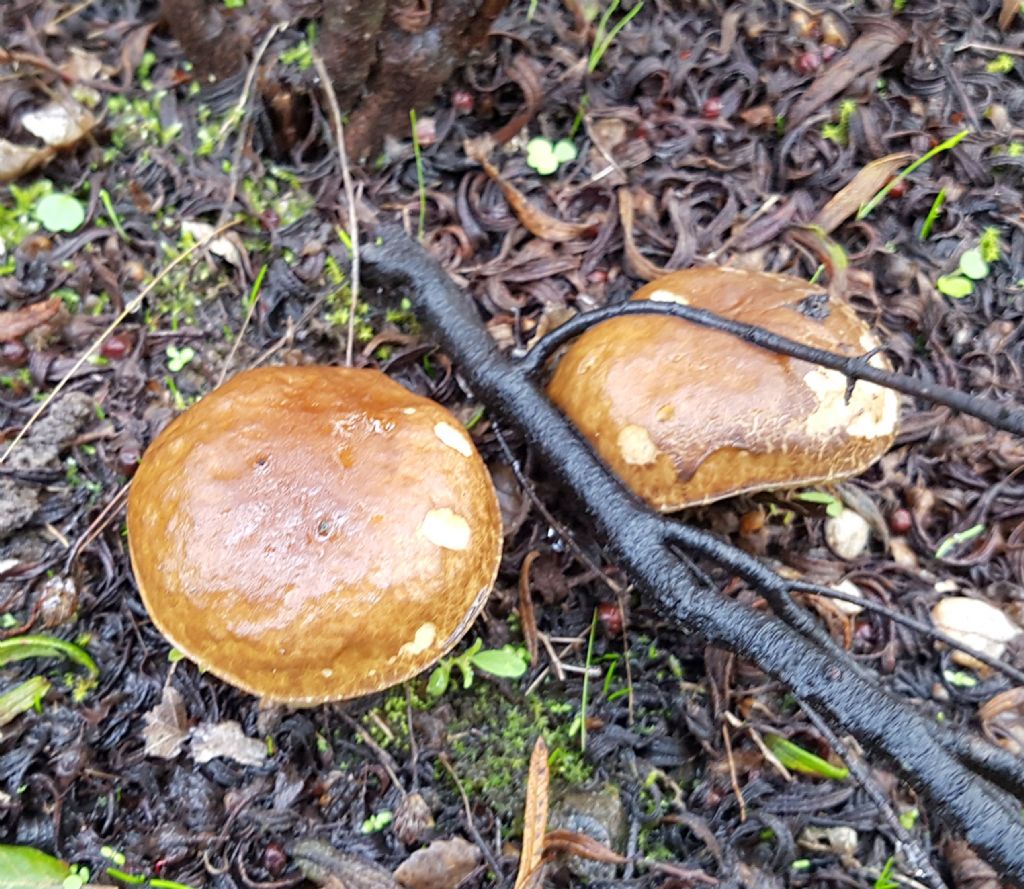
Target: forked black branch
x=964 y=778
x=998 y=414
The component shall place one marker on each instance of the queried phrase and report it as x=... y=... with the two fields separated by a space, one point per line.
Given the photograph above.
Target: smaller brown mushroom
x=313 y=533
x=686 y=415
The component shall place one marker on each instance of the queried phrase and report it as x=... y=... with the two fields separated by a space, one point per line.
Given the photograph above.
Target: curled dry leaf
x=1002 y=720
x=226 y=739
x=18 y=322
x=17 y=160
x=636 y=263
x=228 y=246
x=977 y=625
x=860 y=190
x=534 y=220
x=61 y=124
x=442 y=865
x=535 y=816
x=879 y=41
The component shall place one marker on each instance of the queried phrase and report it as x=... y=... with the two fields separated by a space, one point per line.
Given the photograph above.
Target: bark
x=205 y=36
x=965 y=779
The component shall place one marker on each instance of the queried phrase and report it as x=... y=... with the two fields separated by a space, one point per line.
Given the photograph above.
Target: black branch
x=998 y=414
x=962 y=776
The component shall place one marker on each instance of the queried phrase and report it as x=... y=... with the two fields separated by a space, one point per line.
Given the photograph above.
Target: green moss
x=491 y=739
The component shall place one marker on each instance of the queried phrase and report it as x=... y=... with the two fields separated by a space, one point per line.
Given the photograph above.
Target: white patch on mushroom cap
x=668 y=296
x=423 y=639
x=870 y=413
x=446 y=529
x=636 y=446
x=452 y=437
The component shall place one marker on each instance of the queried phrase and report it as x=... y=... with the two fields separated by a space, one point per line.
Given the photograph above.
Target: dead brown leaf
x=879 y=41
x=572 y=843
x=636 y=263
x=166 y=726
x=17 y=160
x=1002 y=720
x=534 y=220
x=442 y=865
x=18 y=322
x=860 y=190
x=535 y=815
x=1008 y=13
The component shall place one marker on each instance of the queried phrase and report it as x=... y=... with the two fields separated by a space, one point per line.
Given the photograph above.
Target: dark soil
x=726 y=131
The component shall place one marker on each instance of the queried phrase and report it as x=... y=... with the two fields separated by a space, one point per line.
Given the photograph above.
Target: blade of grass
x=880 y=196
x=586 y=683
x=420 y=227
x=602 y=41
x=933 y=214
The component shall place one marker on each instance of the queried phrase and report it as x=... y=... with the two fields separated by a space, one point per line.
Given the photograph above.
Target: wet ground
x=702 y=134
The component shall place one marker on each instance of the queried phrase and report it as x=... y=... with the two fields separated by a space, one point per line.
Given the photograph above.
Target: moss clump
x=491 y=739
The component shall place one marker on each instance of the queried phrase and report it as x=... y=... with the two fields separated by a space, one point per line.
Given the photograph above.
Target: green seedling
x=959 y=678
x=796 y=759
x=885 y=880
x=178 y=359
x=883 y=192
x=508 y=662
x=833 y=505
x=546 y=157
x=420 y=184
x=975 y=265
x=839 y=132
x=603 y=37
x=301 y=54
x=27 y=695
x=1001 y=64
x=909 y=818
x=377 y=821
x=933 y=215
x=581 y=719
x=957 y=538
x=59 y=212
x=22 y=867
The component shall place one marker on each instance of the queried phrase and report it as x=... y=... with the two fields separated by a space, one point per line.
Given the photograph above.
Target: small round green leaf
x=564 y=151
x=955 y=286
x=58 y=212
x=504 y=662
x=540 y=156
x=973 y=265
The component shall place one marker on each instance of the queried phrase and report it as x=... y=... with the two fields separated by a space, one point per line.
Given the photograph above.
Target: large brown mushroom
x=316 y=533
x=686 y=415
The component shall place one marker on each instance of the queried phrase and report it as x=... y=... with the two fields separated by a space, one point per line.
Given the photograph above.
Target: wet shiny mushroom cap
x=315 y=533
x=686 y=415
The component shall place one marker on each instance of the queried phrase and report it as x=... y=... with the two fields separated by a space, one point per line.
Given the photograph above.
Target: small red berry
x=900 y=521
x=128 y=460
x=116 y=347
x=898 y=189
x=274 y=859
x=808 y=62
x=712 y=108
x=610 y=616
x=13 y=353
x=463 y=101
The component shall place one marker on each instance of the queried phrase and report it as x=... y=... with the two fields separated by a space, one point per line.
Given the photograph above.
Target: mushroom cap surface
x=311 y=534
x=687 y=415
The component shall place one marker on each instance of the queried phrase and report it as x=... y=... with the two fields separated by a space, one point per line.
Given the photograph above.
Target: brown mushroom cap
x=314 y=533
x=686 y=415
